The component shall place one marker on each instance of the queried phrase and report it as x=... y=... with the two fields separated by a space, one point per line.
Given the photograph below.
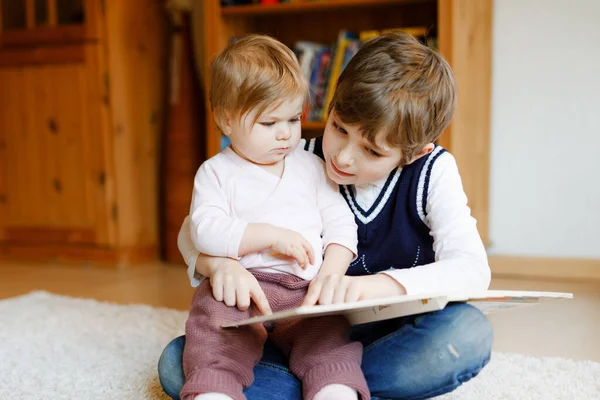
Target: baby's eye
x=270 y=123
x=294 y=120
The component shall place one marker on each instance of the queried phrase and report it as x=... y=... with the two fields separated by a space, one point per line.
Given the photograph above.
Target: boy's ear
x=428 y=148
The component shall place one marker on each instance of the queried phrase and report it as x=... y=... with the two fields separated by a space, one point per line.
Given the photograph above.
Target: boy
x=269 y=204
x=416 y=234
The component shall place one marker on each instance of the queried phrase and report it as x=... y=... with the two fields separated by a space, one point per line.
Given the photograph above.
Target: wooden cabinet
x=463 y=30
x=82 y=87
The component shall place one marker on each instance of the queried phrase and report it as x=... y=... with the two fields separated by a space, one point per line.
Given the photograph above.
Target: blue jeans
x=414 y=357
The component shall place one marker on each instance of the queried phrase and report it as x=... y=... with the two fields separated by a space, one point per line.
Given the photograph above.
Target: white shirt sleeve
x=338 y=221
x=460 y=257
x=189 y=252
x=213 y=230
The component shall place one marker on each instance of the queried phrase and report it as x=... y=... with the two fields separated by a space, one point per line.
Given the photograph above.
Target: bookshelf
x=309 y=6
x=463 y=30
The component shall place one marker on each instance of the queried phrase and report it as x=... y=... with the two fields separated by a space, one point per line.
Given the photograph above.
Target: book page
x=394 y=307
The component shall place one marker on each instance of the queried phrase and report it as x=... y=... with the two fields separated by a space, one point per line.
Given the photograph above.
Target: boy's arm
x=199 y=266
x=461 y=260
x=189 y=253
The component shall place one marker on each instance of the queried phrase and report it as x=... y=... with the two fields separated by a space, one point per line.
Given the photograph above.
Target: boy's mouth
x=338 y=171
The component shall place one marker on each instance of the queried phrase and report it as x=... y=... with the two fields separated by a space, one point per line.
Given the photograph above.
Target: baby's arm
x=331 y=285
x=213 y=230
x=242 y=287
x=338 y=220
x=258 y=237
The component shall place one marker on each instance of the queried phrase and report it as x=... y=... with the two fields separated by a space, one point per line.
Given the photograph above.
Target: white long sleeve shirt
x=460 y=257
x=231 y=192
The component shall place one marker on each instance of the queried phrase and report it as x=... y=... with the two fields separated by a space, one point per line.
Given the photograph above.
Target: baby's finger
x=352 y=294
x=300 y=256
x=229 y=292
x=309 y=251
x=313 y=293
x=259 y=298
x=341 y=291
x=327 y=292
x=242 y=295
x=217 y=287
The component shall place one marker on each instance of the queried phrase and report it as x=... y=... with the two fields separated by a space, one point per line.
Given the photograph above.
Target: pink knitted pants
x=222 y=360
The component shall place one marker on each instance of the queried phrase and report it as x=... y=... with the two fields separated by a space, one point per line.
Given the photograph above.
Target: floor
x=566 y=328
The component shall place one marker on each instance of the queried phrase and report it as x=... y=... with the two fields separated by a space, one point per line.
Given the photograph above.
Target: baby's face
x=275 y=134
x=353 y=160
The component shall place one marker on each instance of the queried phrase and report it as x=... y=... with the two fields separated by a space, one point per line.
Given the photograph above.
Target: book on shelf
x=323 y=63
x=361 y=312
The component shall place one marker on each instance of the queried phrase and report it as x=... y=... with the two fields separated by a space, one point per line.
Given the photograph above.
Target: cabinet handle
x=53 y=126
x=57 y=185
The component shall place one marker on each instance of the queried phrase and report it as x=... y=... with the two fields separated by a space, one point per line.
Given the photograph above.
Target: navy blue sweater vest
x=391 y=234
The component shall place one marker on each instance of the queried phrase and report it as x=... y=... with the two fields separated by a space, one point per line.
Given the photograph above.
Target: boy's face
x=275 y=134
x=351 y=159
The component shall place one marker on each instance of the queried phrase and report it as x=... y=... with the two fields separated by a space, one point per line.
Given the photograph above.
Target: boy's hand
x=292 y=244
x=236 y=286
x=333 y=289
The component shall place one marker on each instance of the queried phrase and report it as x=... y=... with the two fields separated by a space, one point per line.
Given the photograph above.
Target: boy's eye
x=270 y=123
x=373 y=152
x=339 y=128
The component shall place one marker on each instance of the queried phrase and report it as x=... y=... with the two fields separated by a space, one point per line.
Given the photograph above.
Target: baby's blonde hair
x=254 y=73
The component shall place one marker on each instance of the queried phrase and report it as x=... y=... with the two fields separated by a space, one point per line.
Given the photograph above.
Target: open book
x=361 y=312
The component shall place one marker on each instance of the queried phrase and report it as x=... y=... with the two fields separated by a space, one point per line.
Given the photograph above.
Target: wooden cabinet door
x=51 y=183
x=55 y=22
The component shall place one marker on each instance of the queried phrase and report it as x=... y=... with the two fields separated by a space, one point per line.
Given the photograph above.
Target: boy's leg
x=170 y=368
x=272 y=378
x=322 y=354
x=215 y=359
x=427 y=355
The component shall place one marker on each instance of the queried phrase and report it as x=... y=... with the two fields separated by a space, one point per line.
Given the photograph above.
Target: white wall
x=545 y=144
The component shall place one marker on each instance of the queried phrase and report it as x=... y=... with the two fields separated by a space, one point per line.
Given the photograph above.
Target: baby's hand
x=289 y=243
x=236 y=286
x=332 y=289
x=335 y=289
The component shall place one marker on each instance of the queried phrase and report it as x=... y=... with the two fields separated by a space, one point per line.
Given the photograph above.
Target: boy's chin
x=337 y=179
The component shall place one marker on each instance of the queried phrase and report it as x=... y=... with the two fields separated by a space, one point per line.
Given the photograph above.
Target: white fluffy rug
x=56 y=347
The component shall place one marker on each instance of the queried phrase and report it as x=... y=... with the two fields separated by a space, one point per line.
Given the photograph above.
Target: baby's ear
x=223 y=121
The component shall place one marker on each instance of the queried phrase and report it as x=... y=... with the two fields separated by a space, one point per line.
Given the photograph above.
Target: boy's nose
x=344 y=157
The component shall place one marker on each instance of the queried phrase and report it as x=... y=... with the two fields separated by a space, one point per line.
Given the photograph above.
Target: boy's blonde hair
x=254 y=73
x=398 y=86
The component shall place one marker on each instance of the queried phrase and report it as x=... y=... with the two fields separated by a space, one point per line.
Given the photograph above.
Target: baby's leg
x=212 y=396
x=216 y=360
x=335 y=392
x=323 y=358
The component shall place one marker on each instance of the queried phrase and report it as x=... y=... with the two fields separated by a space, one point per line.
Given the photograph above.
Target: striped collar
x=366 y=216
